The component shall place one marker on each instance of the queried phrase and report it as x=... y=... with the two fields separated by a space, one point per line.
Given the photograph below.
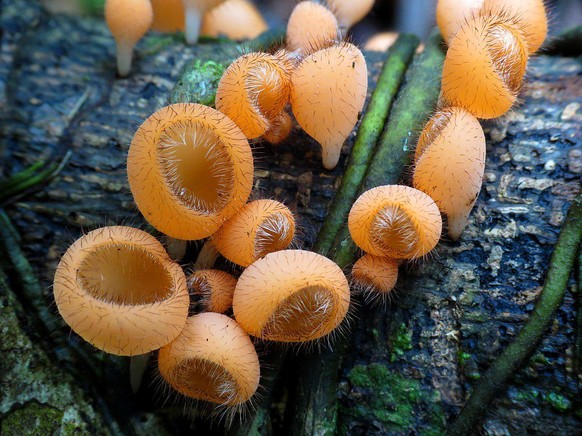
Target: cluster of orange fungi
x=190 y=170
x=489 y=42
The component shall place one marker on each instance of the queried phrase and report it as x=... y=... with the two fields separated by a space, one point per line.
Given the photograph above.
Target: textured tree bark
x=409 y=367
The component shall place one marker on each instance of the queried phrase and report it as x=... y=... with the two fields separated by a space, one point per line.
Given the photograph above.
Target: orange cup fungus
x=235 y=19
x=311 y=27
x=280 y=128
x=291 y=296
x=450 y=162
x=531 y=15
x=484 y=66
x=128 y=21
x=119 y=290
x=327 y=95
x=377 y=276
x=190 y=168
x=253 y=91
x=395 y=221
x=213 y=359
x=261 y=227
x=349 y=12
x=168 y=15
x=194 y=10
x=215 y=287
x=450 y=14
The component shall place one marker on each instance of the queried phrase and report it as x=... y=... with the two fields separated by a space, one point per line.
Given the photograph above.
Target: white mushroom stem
x=193 y=20
x=124 y=58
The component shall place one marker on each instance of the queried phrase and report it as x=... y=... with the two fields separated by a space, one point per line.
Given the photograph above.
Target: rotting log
x=410 y=368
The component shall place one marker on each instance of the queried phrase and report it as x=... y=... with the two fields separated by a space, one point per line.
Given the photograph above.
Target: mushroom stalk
x=124 y=56
x=193 y=21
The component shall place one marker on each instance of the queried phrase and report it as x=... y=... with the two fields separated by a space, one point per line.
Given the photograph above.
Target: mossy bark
x=409 y=367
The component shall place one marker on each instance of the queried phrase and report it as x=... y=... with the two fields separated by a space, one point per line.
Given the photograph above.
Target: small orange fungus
x=261 y=227
x=280 y=129
x=215 y=287
x=213 y=360
x=451 y=13
x=119 y=290
x=381 y=41
x=190 y=168
x=327 y=95
x=311 y=27
x=128 y=20
x=194 y=10
x=484 y=66
x=450 y=162
x=395 y=221
x=349 y=12
x=376 y=275
x=235 y=19
x=291 y=296
x=253 y=90
x=531 y=14
x=168 y=15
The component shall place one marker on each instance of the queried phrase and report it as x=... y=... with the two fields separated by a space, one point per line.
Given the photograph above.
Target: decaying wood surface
x=410 y=366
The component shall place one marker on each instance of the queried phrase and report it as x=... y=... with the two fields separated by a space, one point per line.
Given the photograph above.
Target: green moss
x=198 y=83
x=463 y=357
x=401 y=341
x=393 y=400
x=32 y=419
x=558 y=401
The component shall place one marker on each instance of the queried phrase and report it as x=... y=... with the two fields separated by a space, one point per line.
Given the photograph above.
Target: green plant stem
x=578 y=338
x=395 y=65
x=316 y=387
x=516 y=354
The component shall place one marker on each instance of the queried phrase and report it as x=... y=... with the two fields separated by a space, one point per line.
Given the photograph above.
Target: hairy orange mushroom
x=311 y=27
x=349 y=12
x=377 y=276
x=235 y=19
x=280 y=128
x=128 y=21
x=291 y=296
x=531 y=14
x=253 y=90
x=194 y=10
x=450 y=162
x=395 y=221
x=484 y=66
x=190 y=168
x=381 y=41
x=118 y=289
x=451 y=13
x=215 y=287
x=261 y=227
x=213 y=359
x=328 y=93
x=168 y=15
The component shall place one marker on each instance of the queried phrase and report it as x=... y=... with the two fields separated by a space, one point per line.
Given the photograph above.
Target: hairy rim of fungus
x=168 y=15
x=328 y=93
x=280 y=128
x=128 y=21
x=349 y=12
x=213 y=359
x=450 y=168
x=291 y=296
x=254 y=89
x=484 y=66
x=215 y=287
x=261 y=227
x=190 y=168
x=376 y=276
x=194 y=10
x=451 y=13
x=395 y=221
x=531 y=15
x=235 y=19
x=311 y=27
x=118 y=289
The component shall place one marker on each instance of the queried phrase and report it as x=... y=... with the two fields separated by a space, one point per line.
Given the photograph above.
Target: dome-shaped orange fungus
x=450 y=162
x=451 y=13
x=484 y=66
x=328 y=93
x=395 y=221
x=291 y=296
x=377 y=276
x=118 y=289
x=235 y=19
x=349 y=12
x=190 y=168
x=213 y=359
x=215 y=287
x=311 y=27
x=253 y=90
